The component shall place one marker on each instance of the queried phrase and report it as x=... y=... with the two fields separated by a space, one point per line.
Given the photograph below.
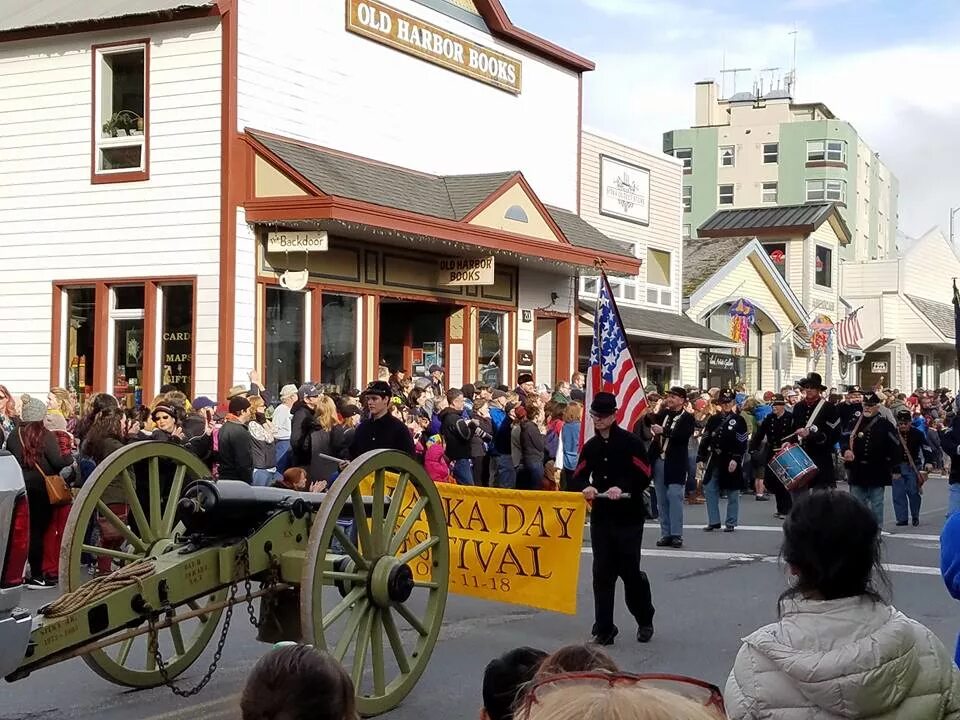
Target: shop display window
x=490 y=347
x=338 y=345
x=176 y=337
x=285 y=312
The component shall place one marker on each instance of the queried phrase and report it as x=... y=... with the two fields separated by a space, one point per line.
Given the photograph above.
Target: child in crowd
x=298 y=682
x=295 y=478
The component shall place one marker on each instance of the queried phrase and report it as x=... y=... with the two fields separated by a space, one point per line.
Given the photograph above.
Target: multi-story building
x=633 y=196
x=757 y=151
x=189 y=190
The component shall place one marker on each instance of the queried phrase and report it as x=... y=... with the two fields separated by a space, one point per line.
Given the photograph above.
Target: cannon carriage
x=361 y=570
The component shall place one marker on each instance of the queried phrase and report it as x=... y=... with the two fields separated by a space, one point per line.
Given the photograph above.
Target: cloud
x=897 y=96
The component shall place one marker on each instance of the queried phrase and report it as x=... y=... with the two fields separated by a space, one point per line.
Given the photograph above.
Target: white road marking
x=753 y=557
x=778 y=528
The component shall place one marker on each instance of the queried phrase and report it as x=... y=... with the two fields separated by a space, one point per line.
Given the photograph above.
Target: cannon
x=333 y=569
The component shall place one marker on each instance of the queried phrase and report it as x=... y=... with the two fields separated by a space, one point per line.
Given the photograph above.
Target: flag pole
x=956 y=322
x=616 y=310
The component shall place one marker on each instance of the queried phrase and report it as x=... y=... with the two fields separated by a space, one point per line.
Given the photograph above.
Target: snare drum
x=793 y=467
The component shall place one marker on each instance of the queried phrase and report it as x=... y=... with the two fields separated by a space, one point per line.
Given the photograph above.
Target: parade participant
x=298 y=682
x=908 y=478
x=770 y=436
x=792 y=396
x=721 y=450
x=382 y=430
x=817 y=427
x=839 y=650
x=614 y=461
x=870 y=456
x=672 y=428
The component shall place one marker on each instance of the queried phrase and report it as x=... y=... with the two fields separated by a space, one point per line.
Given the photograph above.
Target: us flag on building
x=612 y=368
x=849 y=332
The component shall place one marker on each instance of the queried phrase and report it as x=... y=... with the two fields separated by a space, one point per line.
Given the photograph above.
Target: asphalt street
x=715 y=590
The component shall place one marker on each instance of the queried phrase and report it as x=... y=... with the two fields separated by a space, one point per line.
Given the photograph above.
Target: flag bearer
x=614 y=470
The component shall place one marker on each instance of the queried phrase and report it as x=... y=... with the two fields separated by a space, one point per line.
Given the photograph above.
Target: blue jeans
x=872 y=497
x=906 y=492
x=953 y=499
x=284 y=455
x=691 y=484
x=711 y=491
x=463 y=471
x=670 y=501
x=264 y=478
x=506 y=472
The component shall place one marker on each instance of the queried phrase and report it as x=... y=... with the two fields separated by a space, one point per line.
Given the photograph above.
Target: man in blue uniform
x=721 y=449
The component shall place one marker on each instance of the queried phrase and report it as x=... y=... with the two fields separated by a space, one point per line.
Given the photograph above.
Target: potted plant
x=124 y=122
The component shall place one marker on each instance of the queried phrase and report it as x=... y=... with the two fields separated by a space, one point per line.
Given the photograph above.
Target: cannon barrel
x=232 y=507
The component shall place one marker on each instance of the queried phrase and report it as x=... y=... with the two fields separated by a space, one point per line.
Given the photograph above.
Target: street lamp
x=953 y=214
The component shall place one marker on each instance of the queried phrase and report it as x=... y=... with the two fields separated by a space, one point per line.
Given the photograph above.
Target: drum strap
x=913 y=466
x=853 y=433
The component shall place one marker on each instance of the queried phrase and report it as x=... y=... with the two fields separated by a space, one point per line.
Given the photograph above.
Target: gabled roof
x=770 y=221
x=939 y=314
x=30 y=14
x=449 y=197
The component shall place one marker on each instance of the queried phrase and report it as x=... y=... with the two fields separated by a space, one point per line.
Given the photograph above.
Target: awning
x=658 y=326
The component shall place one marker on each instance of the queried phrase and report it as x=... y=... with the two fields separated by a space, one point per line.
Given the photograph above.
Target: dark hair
x=533 y=410
x=577 y=658
x=453 y=394
x=413 y=397
x=32 y=438
x=832 y=542
x=98 y=403
x=505 y=677
x=107 y=425
x=298 y=682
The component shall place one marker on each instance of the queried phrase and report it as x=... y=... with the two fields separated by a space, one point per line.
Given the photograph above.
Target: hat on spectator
x=497 y=394
x=237 y=391
x=524 y=377
x=238 y=405
x=163 y=408
x=435 y=368
x=288 y=391
x=308 y=390
x=202 y=402
x=349 y=411
x=55 y=421
x=34 y=410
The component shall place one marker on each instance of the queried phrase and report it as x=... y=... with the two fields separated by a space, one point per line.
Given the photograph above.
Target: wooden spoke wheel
x=377 y=602
x=130 y=501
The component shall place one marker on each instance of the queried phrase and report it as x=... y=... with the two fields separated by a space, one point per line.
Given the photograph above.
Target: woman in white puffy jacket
x=839 y=650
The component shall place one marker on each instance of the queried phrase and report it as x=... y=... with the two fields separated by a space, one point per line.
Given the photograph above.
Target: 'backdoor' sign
x=426 y=41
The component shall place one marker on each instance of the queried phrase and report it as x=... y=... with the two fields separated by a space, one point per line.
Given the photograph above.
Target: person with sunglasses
x=614 y=471
x=839 y=650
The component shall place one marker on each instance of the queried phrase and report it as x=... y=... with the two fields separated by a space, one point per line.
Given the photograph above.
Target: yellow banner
x=515 y=546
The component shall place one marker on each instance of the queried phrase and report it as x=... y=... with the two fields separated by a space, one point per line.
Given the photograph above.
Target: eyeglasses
x=693 y=689
x=161 y=416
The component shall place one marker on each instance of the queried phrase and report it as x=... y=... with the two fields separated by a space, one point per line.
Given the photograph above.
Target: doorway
x=545 y=338
x=413 y=335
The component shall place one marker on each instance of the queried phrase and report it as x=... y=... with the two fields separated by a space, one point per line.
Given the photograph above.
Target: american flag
x=611 y=366
x=848 y=331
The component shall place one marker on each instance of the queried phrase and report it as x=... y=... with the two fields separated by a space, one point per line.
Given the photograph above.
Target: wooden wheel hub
x=390 y=582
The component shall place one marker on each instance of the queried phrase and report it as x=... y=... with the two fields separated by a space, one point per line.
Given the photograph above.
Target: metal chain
x=271 y=580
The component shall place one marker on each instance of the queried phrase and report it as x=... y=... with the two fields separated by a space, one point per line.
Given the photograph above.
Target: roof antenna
x=791 y=83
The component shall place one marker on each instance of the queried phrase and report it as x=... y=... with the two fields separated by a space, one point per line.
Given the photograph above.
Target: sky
x=889 y=67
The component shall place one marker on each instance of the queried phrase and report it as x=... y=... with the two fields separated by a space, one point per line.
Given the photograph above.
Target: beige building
x=633 y=197
x=907 y=316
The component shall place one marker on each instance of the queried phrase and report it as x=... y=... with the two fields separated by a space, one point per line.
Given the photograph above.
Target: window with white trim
x=725 y=194
x=589 y=285
x=687 y=197
x=827 y=190
x=686 y=231
x=768 y=192
x=823 y=275
x=686 y=156
x=658 y=277
x=771 y=153
x=826 y=150
x=728 y=156
x=120 y=103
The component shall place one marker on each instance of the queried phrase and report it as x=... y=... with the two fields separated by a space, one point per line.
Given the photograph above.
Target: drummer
x=776 y=428
x=816 y=425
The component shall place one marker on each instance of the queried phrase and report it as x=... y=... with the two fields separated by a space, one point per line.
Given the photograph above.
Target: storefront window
x=490 y=348
x=177 y=337
x=81 y=340
x=285 y=311
x=127 y=315
x=743 y=368
x=338 y=346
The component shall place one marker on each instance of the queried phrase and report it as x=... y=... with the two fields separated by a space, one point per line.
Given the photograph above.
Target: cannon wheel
x=371 y=598
x=150 y=530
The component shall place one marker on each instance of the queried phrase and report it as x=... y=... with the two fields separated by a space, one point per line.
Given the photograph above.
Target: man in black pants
x=775 y=428
x=617 y=462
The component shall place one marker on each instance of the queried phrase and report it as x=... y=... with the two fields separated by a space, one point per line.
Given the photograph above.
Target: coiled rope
x=98 y=588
